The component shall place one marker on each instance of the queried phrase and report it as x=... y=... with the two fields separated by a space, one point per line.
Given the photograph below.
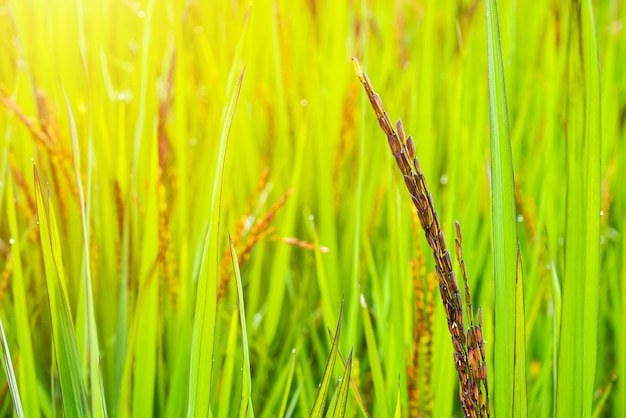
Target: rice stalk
x=607 y=195
x=4 y=277
x=248 y=234
x=472 y=373
x=425 y=323
x=414 y=364
x=30 y=208
x=47 y=135
x=172 y=281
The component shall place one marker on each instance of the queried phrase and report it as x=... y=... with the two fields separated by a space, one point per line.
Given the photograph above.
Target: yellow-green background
x=149 y=85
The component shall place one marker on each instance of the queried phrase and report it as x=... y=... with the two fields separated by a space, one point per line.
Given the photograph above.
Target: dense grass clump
x=199 y=214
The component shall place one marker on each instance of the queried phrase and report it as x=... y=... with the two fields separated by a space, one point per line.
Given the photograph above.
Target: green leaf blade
x=520 y=396
x=579 y=326
x=203 y=334
x=66 y=352
x=28 y=383
x=503 y=222
x=317 y=410
x=344 y=390
x=246 y=385
x=10 y=373
x=372 y=351
x=98 y=403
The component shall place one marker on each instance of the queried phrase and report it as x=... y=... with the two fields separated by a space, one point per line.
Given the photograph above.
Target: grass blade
x=26 y=369
x=355 y=390
x=520 y=398
x=292 y=368
x=503 y=223
x=603 y=395
x=372 y=351
x=143 y=299
x=344 y=390
x=98 y=404
x=8 y=368
x=317 y=410
x=246 y=383
x=66 y=352
x=228 y=367
x=398 y=409
x=578 y=342
x=206 y=301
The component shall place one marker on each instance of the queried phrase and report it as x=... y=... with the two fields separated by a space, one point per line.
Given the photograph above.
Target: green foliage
x=579 y=326
x=245 y=408
x=508 y=317
x=322 y=393
x=10 y=374
x=520 y=395
x=118 y=292
x=64 y=341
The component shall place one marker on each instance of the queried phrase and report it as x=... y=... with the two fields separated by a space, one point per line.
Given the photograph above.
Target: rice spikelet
x=4 y=279
x=467 y=365
x=248 y=233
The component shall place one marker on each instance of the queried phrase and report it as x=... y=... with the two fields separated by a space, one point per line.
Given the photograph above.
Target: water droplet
x=141 y=14
x=304 y=102
x=311 y=218
x=444 y=179
x=293 y=351
x=520 y=218
x=601 y=213
x=256 y=320
x=121 y=97
x=11 y=241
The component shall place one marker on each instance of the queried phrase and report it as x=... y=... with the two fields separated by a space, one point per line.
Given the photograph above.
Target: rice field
x=208 y=208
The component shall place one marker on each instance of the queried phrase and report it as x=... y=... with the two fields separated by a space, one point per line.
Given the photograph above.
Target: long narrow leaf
x=320 y=399
x=72 y=388
x=98 y=404
x=398 y=410
x=292 y=368
x=520 y=397
x=578 y=342
x=26 y=369
x=246 y=382
x=503 y=222
x=344 y=390
x=372 y=351
x=206 y=301
x=8 y=368
x=355 y=390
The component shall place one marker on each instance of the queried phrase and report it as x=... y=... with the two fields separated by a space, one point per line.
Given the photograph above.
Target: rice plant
x=200 y=214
